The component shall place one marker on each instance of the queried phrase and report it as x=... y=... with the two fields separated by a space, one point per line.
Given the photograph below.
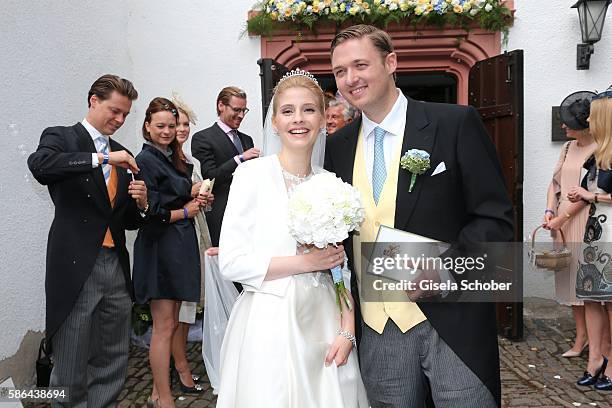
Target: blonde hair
x=183 y=107
x=600 y=125
x=300 y=81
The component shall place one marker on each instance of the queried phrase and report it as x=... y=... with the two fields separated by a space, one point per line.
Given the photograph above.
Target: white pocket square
x=440 y=169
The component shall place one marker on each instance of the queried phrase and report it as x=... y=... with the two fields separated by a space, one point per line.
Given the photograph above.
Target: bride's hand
x=339 y=351
x=321 y=259
x=342 y=347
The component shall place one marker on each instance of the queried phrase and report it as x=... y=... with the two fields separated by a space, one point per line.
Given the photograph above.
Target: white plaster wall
x=195 y=48
x=548 y=33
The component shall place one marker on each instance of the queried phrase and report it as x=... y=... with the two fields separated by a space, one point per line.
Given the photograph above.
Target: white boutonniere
x=416 y=162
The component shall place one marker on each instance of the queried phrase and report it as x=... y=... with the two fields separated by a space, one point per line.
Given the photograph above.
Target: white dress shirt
x=95 y=134
x=393 y=124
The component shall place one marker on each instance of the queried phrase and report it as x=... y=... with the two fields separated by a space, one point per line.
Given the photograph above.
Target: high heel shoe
x=151 y=403
x=604 y=383
x=588 y=379
x=569 y=353
x=196 y=389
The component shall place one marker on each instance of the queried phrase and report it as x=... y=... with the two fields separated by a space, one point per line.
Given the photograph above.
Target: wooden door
x=496 y=91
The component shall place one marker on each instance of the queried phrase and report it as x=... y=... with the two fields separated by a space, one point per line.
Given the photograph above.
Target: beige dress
x=188 y=310
x=568 y=173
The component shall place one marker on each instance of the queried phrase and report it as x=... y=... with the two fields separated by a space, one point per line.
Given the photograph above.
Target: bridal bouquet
x=322 y=212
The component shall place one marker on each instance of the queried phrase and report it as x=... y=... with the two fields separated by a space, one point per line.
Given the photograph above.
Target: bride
x=286 y=344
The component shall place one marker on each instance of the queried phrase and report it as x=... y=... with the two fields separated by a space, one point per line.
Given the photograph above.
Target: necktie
x=236 y=141
x=379 y=170
x=106 y=168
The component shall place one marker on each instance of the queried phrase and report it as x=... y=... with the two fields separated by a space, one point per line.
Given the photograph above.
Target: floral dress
x=594 y=278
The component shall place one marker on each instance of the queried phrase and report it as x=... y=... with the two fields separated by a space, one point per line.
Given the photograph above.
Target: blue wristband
x=105 y=158
x=241 y=157
x=185 y=213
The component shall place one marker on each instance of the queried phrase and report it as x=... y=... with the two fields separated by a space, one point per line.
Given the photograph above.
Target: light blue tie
x=379 y=170
x=106 y=168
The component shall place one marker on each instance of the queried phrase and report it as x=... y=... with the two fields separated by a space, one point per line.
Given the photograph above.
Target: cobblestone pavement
x=533 y=374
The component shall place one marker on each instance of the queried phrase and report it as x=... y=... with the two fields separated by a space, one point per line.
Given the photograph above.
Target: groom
x=409 y=351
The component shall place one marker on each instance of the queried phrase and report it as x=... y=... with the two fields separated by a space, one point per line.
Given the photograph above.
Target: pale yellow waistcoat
x=375 y=314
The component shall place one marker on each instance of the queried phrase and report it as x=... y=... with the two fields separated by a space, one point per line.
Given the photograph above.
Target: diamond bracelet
x=349 y=336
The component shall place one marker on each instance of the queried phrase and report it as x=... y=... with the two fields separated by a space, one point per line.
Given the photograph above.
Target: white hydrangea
x=323 y=210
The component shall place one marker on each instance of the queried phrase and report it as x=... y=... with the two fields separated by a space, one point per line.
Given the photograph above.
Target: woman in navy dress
x=166 y=253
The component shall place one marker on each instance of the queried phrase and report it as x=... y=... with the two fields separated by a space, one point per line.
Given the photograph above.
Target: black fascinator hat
x=575 y=110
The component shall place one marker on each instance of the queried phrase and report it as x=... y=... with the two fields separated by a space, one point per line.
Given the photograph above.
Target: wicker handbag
x=555 y=260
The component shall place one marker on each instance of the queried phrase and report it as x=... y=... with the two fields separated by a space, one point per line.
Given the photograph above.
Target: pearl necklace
x=298 y=178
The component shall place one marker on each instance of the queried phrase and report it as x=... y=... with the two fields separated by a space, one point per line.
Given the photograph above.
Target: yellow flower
x=274 y=15
x=353 y=11
x=377 y=2
x=343 y=7
x=333 y=9
x=366 y=6
x=429 y=8
x=315 y=9
x=404 y=6
x=288 y=13
x=457 y=9
x=418 y=11
x=327 y=2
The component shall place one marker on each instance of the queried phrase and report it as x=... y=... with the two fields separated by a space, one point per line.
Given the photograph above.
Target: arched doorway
x=449 y=52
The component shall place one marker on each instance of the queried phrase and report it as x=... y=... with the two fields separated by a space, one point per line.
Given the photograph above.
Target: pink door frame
x=451 y=51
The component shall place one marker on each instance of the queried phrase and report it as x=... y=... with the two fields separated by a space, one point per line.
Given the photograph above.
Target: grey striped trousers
x=91 y=347
x=396 y=366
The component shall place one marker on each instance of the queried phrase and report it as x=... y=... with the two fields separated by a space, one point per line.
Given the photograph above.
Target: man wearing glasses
x=220 y=149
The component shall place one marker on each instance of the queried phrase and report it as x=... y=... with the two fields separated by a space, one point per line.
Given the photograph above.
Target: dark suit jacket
x=466 y=203
x=83 y=212
x=216 y=152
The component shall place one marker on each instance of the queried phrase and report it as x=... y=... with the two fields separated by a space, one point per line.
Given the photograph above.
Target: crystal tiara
x=298 y=71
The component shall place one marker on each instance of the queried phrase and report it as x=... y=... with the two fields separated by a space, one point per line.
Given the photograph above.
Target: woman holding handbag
x=567 y=173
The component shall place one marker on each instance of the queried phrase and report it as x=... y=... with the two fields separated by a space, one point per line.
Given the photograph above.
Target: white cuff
x=94 y=160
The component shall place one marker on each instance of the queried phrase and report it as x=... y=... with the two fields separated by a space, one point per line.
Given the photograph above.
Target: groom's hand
x=424 y=280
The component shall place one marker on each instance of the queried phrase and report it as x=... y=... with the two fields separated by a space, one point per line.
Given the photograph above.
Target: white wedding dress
x=273 y=353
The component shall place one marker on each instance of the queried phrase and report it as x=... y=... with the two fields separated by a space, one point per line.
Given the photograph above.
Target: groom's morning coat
x=465 y=203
